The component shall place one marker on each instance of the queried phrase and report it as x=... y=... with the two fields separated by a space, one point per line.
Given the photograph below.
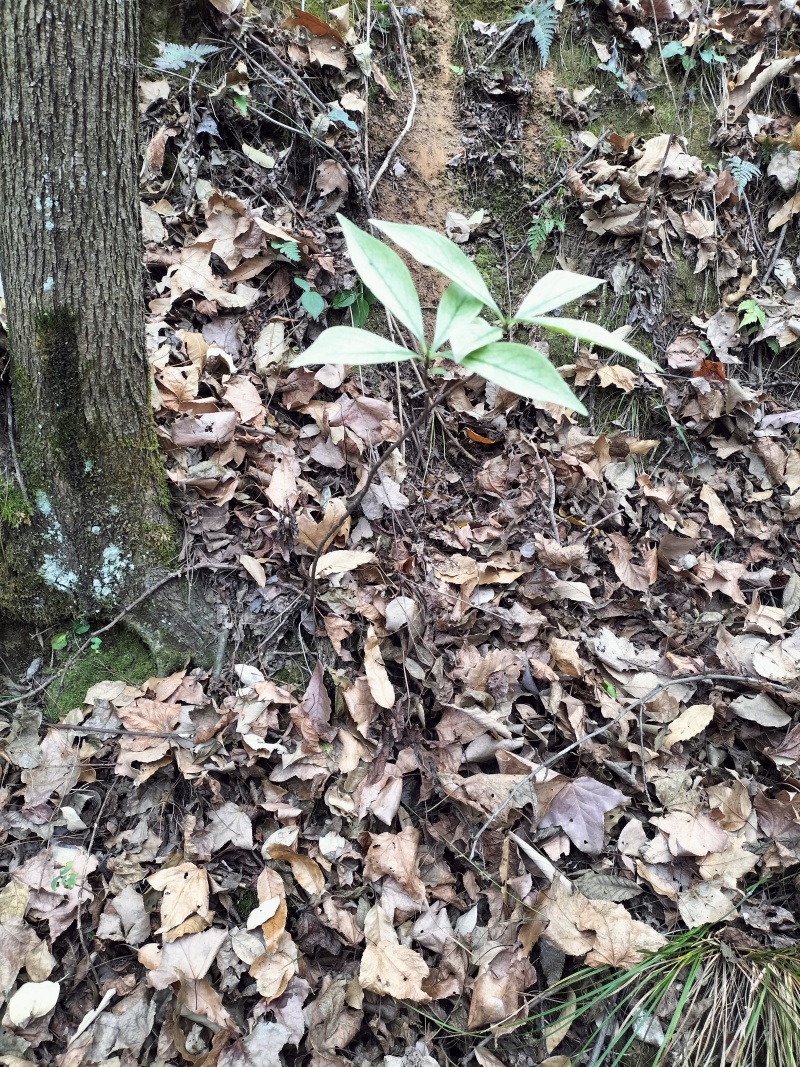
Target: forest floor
x=533 y=721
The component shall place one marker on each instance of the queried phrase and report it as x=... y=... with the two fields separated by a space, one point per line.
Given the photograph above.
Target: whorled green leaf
x=384 y=272
x=455 y=306
x=596 y=335
x=433 y=250
x=465 y=337
x=555 y=289
x=524 y=371
x=345 y=344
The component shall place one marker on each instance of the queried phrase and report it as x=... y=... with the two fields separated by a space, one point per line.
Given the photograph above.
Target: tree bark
x=70 y=258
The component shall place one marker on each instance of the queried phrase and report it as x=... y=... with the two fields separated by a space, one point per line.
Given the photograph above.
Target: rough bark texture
x=71 y=265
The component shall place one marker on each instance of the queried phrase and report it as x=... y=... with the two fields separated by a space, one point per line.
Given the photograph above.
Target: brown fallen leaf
x=387 y=967
x=578 y=808
x=377 y=678
x=185 y=900
x=689 y=723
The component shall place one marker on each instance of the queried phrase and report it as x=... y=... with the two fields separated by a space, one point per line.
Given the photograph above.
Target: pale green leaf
x=523 y=371
x=555 y=289
x=465 y=337
x=345 y=344
x=262 y=158
x=595 y=335
x=433 y=250
x=455 y=306
x=386 y=275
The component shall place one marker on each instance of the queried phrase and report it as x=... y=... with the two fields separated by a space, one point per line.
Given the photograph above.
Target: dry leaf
x=689 y=723
x=342 y=561
x=185 y=889
x=717 y=512
x=578 y=808
x=31 y=1001
x=379 y=685
x=387 y=967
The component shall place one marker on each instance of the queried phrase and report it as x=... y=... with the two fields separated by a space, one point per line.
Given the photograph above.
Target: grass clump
x=705 y=1000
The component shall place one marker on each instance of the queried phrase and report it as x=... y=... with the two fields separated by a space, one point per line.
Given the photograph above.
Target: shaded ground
x=542 y=713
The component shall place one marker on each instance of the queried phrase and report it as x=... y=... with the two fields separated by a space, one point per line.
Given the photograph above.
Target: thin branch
x=429 y=405
x=776 y=252
x=13 y=446
x=713 y=676
x=412 y=107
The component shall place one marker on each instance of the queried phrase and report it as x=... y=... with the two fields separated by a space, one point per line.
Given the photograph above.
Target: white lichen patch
x=112 y=572
x=57 y=575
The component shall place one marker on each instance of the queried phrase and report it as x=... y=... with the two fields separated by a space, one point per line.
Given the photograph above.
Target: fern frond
x=542 y=17
x=540 y=229
x=742 y=172
x=543 y=28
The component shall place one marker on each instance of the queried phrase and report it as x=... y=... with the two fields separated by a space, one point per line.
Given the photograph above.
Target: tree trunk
x=70 y=258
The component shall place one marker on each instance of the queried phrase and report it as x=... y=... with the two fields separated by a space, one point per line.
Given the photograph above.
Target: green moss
x=291 y=673
x=488 y=263
x=14 y=509
x=159 y=20
x=575 y=67
x=498 y=11
x=246 y=901
x=122 y=657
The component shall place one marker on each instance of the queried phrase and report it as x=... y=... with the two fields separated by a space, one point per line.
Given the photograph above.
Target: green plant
x=178 y=56
x=742 y=172
x=474 y=342
x=310 y=299
x=358 y=299
x=542 y=17
x=752 y=317
x=288 y=249
x=707 y=54
x=541 y=227
x=58 y=642
x=65 y=877
x=702 y=1000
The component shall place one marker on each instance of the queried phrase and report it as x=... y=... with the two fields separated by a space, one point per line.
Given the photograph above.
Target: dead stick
x=412 y=107
x=429 y=405
x=705 y=677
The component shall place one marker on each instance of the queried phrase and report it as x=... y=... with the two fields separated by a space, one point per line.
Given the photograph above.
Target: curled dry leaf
x=31 y=1001
x=379 y=685
x=387 y=967
x=689 y=723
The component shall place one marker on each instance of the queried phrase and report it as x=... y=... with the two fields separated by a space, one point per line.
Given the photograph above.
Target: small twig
x=551 y=507
x=776 y=252
x=96 y=633
x=597 y=1050
x=13 y=446
x=756 y=241
x=114 y=731
x=574 y=166
x=412 y=107
x=109 y=793
x=679 y=680
x=454 y=441
x=429 y=405
x=312 y=96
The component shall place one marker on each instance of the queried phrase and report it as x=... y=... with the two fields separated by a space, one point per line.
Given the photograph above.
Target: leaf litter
x=541 y=707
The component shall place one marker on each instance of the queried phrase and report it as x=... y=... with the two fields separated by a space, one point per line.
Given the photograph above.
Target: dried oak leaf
x=387 y=967
x=184 y=906
x=578 y=808
x=396 y=856
x=692 y=834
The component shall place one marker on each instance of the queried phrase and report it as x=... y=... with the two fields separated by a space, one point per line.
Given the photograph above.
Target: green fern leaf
x=543 y=29
x=742 y=172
